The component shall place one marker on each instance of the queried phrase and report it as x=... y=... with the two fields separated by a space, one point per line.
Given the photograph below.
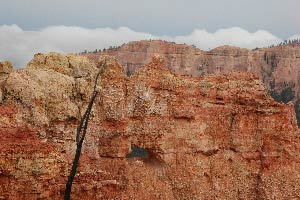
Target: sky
x=31 y=26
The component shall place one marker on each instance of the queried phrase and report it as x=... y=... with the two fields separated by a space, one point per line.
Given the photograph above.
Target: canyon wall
x=209 y=137
x=278 y=67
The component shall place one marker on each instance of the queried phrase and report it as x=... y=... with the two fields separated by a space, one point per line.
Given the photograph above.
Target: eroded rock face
x=212 y=137
x=5 y=69
x=278 y=67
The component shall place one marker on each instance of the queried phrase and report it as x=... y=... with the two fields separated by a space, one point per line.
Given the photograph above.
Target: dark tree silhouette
x=80 y=135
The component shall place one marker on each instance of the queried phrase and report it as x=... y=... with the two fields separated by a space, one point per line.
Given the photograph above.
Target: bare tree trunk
x=82 y=127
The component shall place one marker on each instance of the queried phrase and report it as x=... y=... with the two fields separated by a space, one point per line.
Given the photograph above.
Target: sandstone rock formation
x=5 y=69
x=278 y=67
x=210 y=137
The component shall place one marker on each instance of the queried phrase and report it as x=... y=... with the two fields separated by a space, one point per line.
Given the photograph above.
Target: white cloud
x=19 y=46
x=231 y=36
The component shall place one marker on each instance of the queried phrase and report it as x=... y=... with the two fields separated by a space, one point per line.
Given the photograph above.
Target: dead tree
x=80 y=135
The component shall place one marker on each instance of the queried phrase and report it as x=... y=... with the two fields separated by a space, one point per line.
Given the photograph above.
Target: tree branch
x=82 y=127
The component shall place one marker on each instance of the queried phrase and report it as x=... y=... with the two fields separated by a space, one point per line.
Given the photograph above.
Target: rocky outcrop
x=210 y=137
x=278 y=67
x=5 y=69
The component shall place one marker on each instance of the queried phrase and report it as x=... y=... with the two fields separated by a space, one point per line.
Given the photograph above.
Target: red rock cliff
x=278 y=67
x=212 y=137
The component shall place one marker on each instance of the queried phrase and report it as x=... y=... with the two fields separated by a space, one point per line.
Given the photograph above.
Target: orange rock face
x=211 y=137
x=278 y=67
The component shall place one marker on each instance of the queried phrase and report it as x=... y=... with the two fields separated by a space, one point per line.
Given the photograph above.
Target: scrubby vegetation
x=286 y=95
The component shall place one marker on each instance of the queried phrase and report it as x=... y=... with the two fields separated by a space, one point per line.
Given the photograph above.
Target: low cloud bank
x=19 y=46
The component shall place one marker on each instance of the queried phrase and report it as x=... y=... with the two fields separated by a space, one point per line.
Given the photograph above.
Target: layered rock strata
x=278 y=67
